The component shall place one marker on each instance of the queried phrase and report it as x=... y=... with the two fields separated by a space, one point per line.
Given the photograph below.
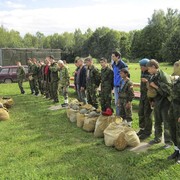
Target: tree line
x=159 y=39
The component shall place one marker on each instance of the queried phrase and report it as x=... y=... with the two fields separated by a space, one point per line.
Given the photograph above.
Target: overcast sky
x=58 y=16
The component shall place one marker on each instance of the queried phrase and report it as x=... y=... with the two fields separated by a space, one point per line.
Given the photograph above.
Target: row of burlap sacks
x=5 y=103
x=115 y=132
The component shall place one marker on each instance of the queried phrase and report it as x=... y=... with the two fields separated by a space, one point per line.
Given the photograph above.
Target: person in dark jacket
x=81 y=81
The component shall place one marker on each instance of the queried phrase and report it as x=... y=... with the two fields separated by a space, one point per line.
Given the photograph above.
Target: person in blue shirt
x=117 y=65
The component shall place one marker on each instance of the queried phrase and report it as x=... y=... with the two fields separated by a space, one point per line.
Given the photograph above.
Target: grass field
x=37 y=143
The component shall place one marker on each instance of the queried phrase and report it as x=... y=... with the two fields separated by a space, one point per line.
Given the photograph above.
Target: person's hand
x=82 y=89
x=179 y=119
x=128 y=105
x=144 y=80
x=152 y=84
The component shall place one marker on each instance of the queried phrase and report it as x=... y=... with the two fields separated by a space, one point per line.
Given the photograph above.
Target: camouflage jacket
x=64 y=77
x=143 y=85
x=20 y=72
x=163 y=81
x=107 y=80
x=126 y=91
x=176 y=90
x=54 y=71
x=92 y=77
x=34 y=69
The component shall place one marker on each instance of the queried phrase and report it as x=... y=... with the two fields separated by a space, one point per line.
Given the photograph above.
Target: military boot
x=174 y=155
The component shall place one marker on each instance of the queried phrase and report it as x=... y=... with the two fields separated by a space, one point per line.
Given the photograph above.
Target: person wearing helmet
x=145 y=111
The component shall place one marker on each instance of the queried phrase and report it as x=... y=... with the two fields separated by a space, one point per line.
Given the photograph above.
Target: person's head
x=18 y=63
x=89 y=61
x=124 y=73
x=103 y=62
x=29 y=61
x=115 y=56
x=60 y=63
x=34 y=60
x=80 y=62
x=152 y=66
x=143 y=62
x=76 y=61
x=51 y=59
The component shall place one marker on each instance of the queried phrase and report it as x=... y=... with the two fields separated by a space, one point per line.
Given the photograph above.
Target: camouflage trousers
x=20 y=82
x=64 y=91
x=174 y=114
x=125 y=113
x=145 y=116
x=92 y=97
x=31 y=86
x=161 y=117
x=105 y=98
x=54 y=90
x=35 y=85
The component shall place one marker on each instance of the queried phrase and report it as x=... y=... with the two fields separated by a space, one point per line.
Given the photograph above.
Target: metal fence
x=9 y=56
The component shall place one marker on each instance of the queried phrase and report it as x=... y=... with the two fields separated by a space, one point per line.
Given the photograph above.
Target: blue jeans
x=116 y=95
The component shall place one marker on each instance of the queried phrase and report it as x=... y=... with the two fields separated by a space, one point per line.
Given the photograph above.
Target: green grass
x=37 y=143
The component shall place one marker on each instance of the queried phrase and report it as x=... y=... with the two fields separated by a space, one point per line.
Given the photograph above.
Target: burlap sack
x=80 y=119
x=151 y=92
x=86 y=106
x=101 y=124
x=4 y=115
x=120 y=143
x=7 y=102
x=72 y=115
x=68 y=112
x=176 y=71
x=112 y=132
x=131 y=137
x=89 y=123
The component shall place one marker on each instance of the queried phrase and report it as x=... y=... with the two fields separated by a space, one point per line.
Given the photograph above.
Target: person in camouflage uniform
x=30 y=63
x=126 y=95
x=20 y=76
x=35 y=76
x=47 y=78
x=64 y=82
x=92 y=82
x=145 y=110
x=54 y=79
x=174 y=114
x=161 y=82
x=107 y=85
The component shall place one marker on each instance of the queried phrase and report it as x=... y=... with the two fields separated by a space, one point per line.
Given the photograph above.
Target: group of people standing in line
x=160 y=95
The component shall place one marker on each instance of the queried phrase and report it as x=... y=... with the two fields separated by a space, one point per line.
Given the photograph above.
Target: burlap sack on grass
x=89 y=123
x=131 y=137
x=7 y=102
x=176 y=68
x=72 y=115
x=68 y=112
x=101 y=124
x=80 y=119
x=111 y=133
x=120 y=143
x=4 y=115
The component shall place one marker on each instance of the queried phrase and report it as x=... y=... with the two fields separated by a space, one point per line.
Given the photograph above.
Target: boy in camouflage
x=63 y=82
x=174 y=113
x=145 y=111
x=161 y=82
x=92 y=82
x=107 y=85
x=20 y=76
x=126 y=95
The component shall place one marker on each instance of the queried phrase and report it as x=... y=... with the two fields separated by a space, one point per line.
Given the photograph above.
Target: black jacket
x=82 y=77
